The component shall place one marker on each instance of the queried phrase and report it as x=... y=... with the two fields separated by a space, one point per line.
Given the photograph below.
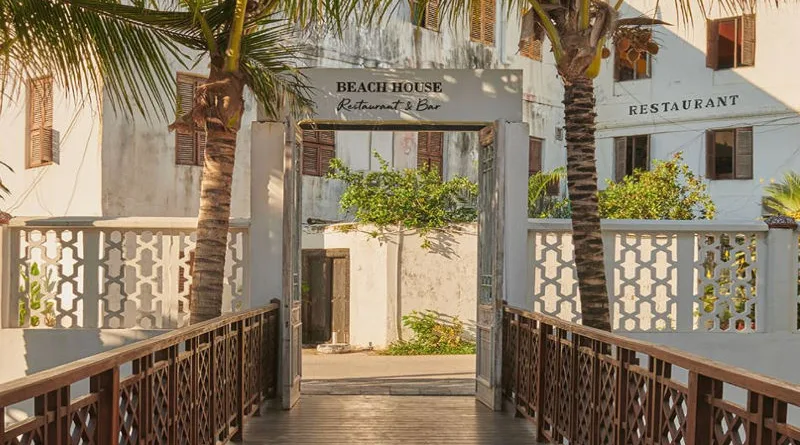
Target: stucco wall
x=767 y=99
x=140 y=177
x=72 y=186
x=392 y=275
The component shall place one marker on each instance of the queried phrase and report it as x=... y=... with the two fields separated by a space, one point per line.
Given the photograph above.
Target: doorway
x=485 y=101
x=326 y=296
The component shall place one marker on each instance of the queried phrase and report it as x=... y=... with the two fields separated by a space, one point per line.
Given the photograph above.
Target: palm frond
x=92 y=46
x=783 y=198
x=269 y=63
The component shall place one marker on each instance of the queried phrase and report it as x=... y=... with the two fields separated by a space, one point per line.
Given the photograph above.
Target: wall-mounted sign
x=366 y=96
x=683 y=105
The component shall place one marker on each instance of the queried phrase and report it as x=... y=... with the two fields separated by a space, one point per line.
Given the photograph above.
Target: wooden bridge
x=563 y=383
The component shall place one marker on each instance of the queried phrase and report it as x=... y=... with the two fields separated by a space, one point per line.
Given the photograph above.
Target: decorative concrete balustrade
x=112 y=272
x=678 y=276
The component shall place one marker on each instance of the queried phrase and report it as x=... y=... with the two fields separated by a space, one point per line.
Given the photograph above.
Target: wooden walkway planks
x=379 y=420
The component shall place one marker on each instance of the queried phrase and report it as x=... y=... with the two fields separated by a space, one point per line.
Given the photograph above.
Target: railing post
x=659 y=369
x=685 y=295
x=241 y=384
x=699 y=419
x=624 y=358
x=106 y=386
x=779 y=310
x=764 y=409
x=8 y=308
x=54 y=407
x=91 y=278
x=541 y=366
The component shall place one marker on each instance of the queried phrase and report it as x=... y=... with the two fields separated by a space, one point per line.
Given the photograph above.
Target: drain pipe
x=502 y=25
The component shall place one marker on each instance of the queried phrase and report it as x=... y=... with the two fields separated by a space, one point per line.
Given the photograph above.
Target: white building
x=106 y=165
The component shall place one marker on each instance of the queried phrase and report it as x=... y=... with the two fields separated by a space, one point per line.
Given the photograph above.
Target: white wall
x=69 y=188
x=768 y=100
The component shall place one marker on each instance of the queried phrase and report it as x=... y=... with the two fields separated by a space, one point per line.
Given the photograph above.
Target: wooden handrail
x=583 y=385
x=51 y=379
x=196 y=384
x=768 y=386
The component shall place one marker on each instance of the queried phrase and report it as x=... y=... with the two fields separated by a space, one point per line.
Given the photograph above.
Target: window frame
x=621 y=146
x=428 y=18
x=741 y=135
x=744 y=52
x=618 y=68
x=198 y=135
x=532 y=48
x=46 y=157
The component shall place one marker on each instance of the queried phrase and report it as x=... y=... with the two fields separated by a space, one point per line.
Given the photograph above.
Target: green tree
x=783 y=198
x=669 y=191
x=409 y=198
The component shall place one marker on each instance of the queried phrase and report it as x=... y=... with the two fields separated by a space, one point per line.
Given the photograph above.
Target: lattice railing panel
x=117 y=277
x=555 y=282
x=645 y=277
x=726 y=266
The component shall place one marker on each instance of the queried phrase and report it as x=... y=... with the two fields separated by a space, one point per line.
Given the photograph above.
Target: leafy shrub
x=669 y=191
x=432 y=336
x=411 y=198
x=540 y=204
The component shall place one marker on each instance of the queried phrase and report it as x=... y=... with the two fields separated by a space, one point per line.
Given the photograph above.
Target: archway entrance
x=487 y=101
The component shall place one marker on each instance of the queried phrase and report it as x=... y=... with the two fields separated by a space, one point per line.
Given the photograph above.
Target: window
x=42 y=140
x=624 y=69
x=190 y=143
x=535 y=164
x=427 y=18
x=731 y=42
x=430 y=150
x=532 y=47
x=631 y=153
x=319 y=147
x=481 y=22
x=729 y=153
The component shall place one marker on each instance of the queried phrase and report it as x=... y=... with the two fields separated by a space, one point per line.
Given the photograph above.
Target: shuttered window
x=427 y=15
x=190 y=143
x=729 y=153
x=534 y=156
x=631 y=153
x=482 y=21
x=319 y=148
x=626 y=70
x=532 y=48
x=430 y=150
x=731 y=42
x=41 y=137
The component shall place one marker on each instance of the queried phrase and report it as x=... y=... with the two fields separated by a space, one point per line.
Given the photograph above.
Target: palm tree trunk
x=212 y=226
x=579 y=117
x=223 y=102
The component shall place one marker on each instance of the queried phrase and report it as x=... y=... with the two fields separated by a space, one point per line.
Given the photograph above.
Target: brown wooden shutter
x=436 y=151
x=647 y=147
x=432 y=15
x=422 y=148
x=712 y=40
x=476 y=21
x=326 y=154
x=40 y=122
x=488 y=21
x=319 y=148
x=190 y=143
x=710 y=155
x=616 y=64
x=748 y=40
x=310 y=156
x=534 y=156
x=620 y=158
x=743 y=156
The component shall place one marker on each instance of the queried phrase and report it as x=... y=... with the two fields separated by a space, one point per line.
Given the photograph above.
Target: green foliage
x=410 y=198
x=540 y=205
x=36 y=301
x=783 y=198
x=433 y=335
x=669 y=192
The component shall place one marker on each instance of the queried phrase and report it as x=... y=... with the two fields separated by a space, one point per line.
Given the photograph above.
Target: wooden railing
x=194 y=385
x=583 y=386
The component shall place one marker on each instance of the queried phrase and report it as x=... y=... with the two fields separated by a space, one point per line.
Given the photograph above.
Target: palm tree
x=783 y=198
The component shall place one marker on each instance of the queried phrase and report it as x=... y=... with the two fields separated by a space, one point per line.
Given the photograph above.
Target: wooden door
x=340 y=299
x=317 y=291
x=291 y=308
x=489 y=313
